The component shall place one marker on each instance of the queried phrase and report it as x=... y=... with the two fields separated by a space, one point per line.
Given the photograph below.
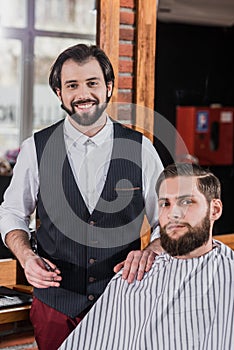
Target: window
x=32 y=34
x=10 y=64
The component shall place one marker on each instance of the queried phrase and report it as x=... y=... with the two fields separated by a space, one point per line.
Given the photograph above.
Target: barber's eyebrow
x=70 y=81
x=93 y=78
x=162 y=199
x=75 y=80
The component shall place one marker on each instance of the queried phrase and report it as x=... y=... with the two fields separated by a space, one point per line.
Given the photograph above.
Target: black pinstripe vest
x=86 y=246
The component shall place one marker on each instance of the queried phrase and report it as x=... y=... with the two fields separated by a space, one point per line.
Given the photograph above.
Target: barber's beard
x=83 y=118
x=194 y=238
x=86 y=119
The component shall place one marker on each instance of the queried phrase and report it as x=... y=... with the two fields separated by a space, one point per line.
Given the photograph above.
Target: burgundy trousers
x=51 y=327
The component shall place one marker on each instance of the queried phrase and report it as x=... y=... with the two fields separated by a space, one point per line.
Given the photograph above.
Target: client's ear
x=216 y=208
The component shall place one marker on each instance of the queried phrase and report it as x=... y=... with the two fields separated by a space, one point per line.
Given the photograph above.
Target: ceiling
x=197 y=12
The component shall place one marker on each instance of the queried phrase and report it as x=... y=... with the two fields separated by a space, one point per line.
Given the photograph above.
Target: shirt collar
x=75 y=136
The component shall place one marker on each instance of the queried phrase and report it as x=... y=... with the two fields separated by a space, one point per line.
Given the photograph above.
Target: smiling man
x=90 y=180
x=186 y=301
x=84 y=93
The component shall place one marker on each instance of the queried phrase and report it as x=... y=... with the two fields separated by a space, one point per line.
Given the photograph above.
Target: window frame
x=27 y=37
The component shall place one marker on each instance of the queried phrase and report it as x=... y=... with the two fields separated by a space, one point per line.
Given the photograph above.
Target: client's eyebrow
x=179 y=197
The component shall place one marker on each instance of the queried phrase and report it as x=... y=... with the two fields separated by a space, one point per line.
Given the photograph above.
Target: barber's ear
x=109 y=88
x=216 y=209
x=58 y=92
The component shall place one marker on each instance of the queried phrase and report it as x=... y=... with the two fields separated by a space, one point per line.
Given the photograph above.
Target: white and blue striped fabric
x=181 y=304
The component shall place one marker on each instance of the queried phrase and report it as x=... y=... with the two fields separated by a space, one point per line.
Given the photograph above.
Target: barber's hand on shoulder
x=41 y=273
x=136 y=264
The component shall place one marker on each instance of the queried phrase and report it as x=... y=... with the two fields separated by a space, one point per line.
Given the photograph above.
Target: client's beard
x=194 y=238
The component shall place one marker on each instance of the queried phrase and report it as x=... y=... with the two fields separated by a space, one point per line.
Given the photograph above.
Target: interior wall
x=195 y=66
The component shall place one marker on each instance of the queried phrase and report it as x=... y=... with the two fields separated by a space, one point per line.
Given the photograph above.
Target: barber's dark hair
x=207 y=183
x=81 y=53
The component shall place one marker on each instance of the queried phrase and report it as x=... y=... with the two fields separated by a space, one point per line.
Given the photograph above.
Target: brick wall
x=126 y=56
x=126 y=32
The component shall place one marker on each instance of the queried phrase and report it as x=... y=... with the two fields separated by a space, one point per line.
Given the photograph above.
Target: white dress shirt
x=89 y=158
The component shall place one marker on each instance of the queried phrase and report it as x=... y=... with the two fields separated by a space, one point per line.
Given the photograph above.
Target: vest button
x=92 y=279
x=91 y=297
x=92 y=261
x=92 y=223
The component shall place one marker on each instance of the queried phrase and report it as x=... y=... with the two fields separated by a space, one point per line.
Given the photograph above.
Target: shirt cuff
x=7 y=225
x=155 y=233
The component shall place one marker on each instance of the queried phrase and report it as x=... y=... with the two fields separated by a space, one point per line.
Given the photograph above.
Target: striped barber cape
x=181 y=304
